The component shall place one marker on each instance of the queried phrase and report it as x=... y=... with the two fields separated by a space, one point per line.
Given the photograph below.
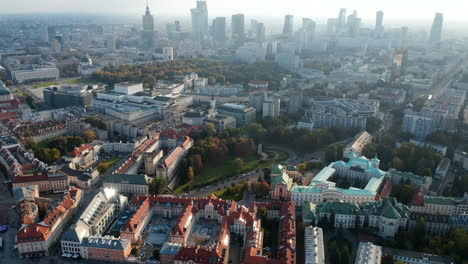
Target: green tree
x=210 y=129
x=238 y=164
x=157 y=186
x=156 y=253
x=135 y=252
x=373 y=124
x=211 y=80
x=29 y=101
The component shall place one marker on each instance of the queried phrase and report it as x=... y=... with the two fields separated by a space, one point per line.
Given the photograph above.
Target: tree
x=210 y=129
x=387 y=259
x=157 y=186
x=135 y=252
x=156 y=253
x=29 y=101
x=261 y=189
x=190 y=173
x=302 y=167
x=403 y=193
x=238 y=164
x=211 y=80
x=266 y=174
x=102 y=167
x=89 y=136
x=197 y=163
x=373 y=124
x=96 y=122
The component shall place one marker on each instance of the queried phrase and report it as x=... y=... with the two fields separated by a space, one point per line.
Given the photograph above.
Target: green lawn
x=216 y=172
x=79 y=81
x=45 y=85
x=112 y=161
x=282 y=156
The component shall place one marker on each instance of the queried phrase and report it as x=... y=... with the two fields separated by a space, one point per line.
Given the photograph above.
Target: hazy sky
x=394 y=9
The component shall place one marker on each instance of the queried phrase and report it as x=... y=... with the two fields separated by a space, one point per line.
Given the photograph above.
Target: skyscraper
x=260 y=32
x=379 y=28
x=238 y=27
x=219 y=29
x=379 y=18
x=288 y=25
x=199 y=20
x=342 y=18
x=436 y=31
x=354 y=23
x=148 y=30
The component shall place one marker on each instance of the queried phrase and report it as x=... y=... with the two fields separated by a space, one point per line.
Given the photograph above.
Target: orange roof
x=33 y=232
x=80 y=149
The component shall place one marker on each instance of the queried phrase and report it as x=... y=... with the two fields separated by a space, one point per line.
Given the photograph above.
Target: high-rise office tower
x=295 y=102
x=177 y=25
x=354 y=23
x=436 y=31
x=379 y=19
x=332 y=25
x=148 y=30
x=379 y=28
x=288 y=28
x=51 y=34
x=260 y=32
x=238 y=27
x=199 y=20
x=253 y=28
x=342 y=18
x=219 y=29
x=309 y=25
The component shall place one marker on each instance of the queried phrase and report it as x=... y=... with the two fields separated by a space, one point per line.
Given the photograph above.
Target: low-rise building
x=413 y=257
x=37 y=239
x=314 y=248
x=387 y=216
x=243 y=114
x=105 y=248
x=222 y=122
x=368 y=253
x=68 y=95
x=128 y=184
x=357 y=144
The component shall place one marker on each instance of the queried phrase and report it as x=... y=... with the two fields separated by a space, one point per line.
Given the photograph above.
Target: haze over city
x=233 y=132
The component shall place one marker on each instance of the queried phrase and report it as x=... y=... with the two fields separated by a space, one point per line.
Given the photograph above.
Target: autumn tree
x=302 y=167
x=89 y=136
x=190 y=173
x=197 y=163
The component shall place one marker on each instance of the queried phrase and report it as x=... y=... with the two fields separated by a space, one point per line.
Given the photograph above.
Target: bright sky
x=394 y=9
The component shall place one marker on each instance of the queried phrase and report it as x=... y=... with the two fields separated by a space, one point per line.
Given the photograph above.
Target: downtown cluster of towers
x=200 y=25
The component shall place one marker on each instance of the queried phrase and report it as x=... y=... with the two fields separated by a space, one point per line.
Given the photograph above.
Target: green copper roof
x=389 y=211
x=308 y=211
x=282 y=178
x=438 y=200
x=276 y=169
x=339 y=208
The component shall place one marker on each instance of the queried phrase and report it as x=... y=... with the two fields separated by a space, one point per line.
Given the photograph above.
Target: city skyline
x=299 y=8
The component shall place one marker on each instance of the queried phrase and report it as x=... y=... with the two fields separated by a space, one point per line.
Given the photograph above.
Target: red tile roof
x=33 y=232
x=80 y=150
